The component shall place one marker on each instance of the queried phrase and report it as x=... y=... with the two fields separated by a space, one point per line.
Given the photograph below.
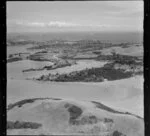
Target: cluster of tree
x=92 y=75
x=14 y=59
x=121 y=59
x=14 y=43
x=22 y=125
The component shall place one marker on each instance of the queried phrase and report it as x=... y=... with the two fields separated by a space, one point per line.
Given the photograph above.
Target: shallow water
x=81 y=64
x=19 y=49
x=14 y=69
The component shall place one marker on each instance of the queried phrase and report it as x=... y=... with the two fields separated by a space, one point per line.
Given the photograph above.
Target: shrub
x=22 y=125
x=117 y=133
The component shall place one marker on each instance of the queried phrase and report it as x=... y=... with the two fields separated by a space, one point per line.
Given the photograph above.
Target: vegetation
x=117 y=57
x=22 y=102
x=104 y=107
x=120 y=67
x=22 y=125
x=90 y=75
x=107 y=120
x=14 y=59
x=18 y=43
x=125 y=59
x=74 y=111
x=52 y=67
x=37 y=57
x=85 y=120
x=117 y=133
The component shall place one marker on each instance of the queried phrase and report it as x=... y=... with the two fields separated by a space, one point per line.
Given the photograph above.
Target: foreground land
x=97 y=88
x=56 y=116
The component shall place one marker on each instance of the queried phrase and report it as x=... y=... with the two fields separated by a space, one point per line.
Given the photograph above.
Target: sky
x=57 y=16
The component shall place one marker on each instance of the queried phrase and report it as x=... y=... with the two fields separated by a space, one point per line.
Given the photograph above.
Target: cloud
x=62 y=24
x=43 y=24
x=50 y=24
x=37 y=24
